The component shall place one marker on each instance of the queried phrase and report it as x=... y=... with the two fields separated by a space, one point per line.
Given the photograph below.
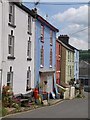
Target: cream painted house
x=67 y=59
x=17 y=35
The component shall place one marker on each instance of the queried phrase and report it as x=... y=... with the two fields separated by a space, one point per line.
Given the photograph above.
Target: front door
x=49 y=84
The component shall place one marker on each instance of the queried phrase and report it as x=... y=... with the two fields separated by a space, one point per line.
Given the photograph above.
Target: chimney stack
x=64 y=38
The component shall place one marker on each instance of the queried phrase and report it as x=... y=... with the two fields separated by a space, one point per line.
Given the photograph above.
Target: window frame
x=28 y=83
x=51 y=37
x=29 y=24
x=29 y=50
x=10 y=82
x=42 y=57
x=11 y=14
x=42 y=33
x=11 y=45
x=51 y=53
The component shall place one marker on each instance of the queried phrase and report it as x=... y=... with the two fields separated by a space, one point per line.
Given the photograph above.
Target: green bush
x=4 y=111
x=7 y=96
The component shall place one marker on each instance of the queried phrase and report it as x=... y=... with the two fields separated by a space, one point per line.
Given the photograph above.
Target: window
x=42 y=33
x=42 y=57
x=51 y=57
x=28 y=86
x=10 y=78
x=73 y=57
x=70 y=71
x=59 y=50
x=11 y=13
x=29 y=24
x=68 y=56
x=29 y=49
x=51 y=37
x=11 y=44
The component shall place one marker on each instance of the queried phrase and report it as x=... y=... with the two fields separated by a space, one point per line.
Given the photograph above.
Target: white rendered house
x=76 y=64
x=17 y=35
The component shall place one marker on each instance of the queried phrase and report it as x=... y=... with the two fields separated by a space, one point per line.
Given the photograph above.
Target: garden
x=21 y=102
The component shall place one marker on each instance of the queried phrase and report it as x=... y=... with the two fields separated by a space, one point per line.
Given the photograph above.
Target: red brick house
x=58 y=60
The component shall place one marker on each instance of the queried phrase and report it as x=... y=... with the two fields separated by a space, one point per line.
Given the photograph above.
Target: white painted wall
x=0 y=44
x=76 y=63
x=0 y=33
x=20 y=64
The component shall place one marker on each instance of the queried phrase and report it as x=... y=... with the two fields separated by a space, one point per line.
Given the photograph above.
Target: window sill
x=28 y=89
x=29 y=33
x=50 y=66
x=11 y=25
x=29 y=59
x=42 y=41
x=51 y=44
x=41 y=66
x=10 y=57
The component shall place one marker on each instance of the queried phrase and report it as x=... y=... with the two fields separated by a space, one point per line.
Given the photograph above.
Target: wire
x=60 y=3
x=79 y=31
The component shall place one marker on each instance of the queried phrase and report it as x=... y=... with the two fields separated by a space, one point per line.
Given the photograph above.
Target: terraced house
x=45 y=59
x=17 y=26
x=66 y=60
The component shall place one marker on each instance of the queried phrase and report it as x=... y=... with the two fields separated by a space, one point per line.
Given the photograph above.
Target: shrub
x=7 y=96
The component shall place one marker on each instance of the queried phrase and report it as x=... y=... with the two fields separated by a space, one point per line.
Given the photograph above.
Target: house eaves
x=24 y=8
x=42 y=20
x=67 y=46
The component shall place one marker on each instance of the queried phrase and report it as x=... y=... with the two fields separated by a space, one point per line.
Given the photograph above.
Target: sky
x=70 y=19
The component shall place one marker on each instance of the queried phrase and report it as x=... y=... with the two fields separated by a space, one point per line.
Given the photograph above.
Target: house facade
x=58 y=61
x=17 y=29
x=76 y=64
x=45 y=59
x=67 y=59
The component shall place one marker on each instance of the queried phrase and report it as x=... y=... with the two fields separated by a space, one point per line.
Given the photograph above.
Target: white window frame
x=10 y=78
x=29 y=49
x=11 y=13
x=28 y=84
x=29 y=23
x=11 y=45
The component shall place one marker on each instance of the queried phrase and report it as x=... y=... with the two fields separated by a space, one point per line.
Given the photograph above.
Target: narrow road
x=76 y=108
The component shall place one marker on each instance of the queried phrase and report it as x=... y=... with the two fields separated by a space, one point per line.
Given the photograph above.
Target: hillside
x=84 y=55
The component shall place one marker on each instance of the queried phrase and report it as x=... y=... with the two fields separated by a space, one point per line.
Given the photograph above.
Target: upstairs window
x=28 y=86
x=29 y=24
x=68 y=56
x=51 y=37
x=10 y=77
x=51 y=57
x=11 y=13
x=42 y=57
x=29 y=49
x=11 y=44
x=59 y=50
x=42 y=33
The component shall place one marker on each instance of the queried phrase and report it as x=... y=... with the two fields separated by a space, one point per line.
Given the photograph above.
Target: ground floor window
x=10 y=77
x=28 y=86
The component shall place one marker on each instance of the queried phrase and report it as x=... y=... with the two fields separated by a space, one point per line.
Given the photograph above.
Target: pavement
x=54 y=101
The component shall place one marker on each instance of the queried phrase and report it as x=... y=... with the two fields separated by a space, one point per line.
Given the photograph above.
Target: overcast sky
x=69 y=19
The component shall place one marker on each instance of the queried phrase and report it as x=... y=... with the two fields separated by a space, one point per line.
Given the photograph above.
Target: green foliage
x=84 y=55
x=7 y=96
x=4 y=111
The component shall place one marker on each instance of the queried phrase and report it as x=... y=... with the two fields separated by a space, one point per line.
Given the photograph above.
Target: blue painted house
x=45 y=60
